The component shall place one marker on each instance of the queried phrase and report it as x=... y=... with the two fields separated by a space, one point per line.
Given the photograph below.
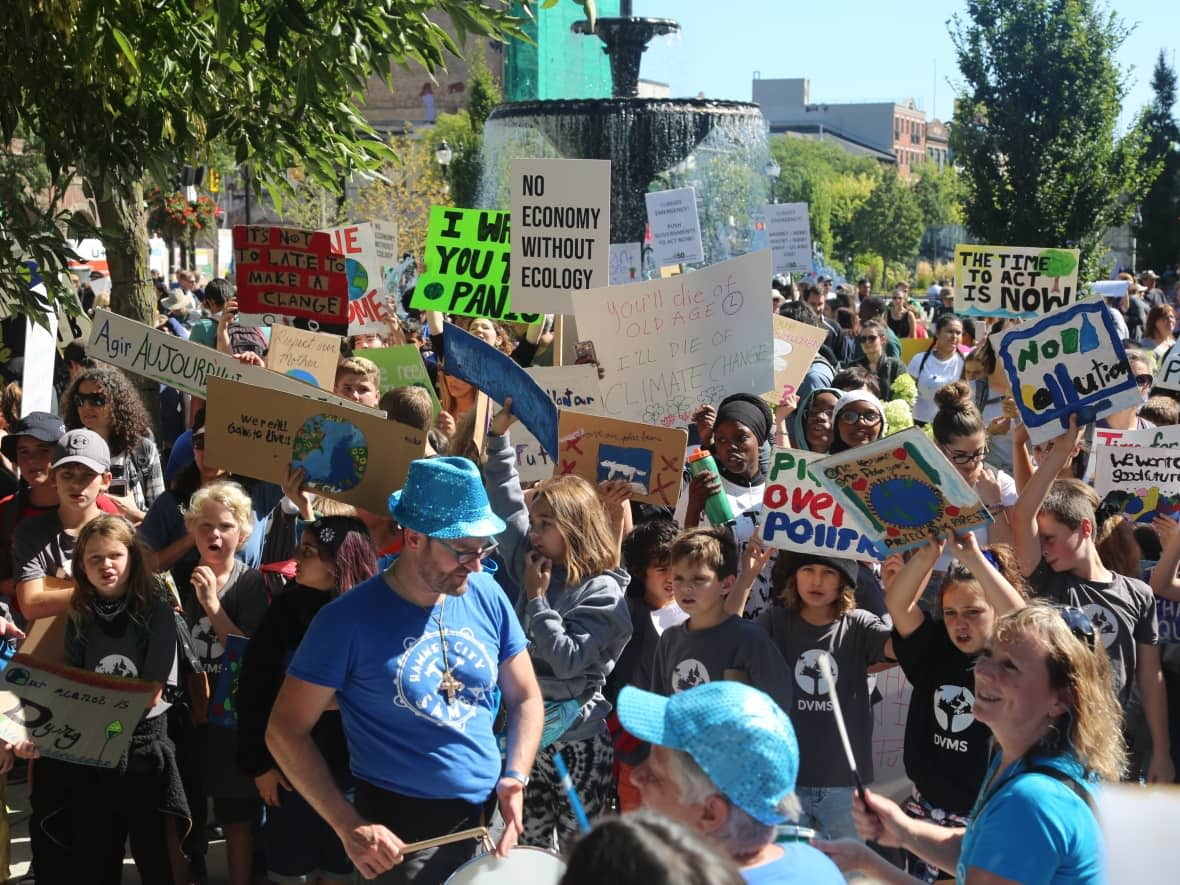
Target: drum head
x=533 y=866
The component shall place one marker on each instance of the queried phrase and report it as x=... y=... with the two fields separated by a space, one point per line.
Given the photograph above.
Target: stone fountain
x=718 y=147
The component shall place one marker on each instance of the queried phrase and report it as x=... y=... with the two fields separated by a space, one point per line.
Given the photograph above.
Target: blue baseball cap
x=737 y=734
x=445 y=498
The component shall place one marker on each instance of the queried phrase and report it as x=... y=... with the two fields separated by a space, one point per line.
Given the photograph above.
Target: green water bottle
x=717 y=507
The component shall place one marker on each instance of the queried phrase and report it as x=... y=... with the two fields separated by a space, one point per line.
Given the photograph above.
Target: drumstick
x=825 y=666
x=575 y=802
x=473 y=833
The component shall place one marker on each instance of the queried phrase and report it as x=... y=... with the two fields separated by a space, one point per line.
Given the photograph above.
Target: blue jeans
x=828 y=811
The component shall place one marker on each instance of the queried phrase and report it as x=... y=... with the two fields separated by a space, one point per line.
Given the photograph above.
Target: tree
x=889 y=223
x=939 y=193
x=116 y=92
x=1034 y=125
x=1158 y=231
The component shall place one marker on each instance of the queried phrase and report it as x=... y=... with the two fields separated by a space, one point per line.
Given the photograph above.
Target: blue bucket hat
x=738 y=736
x=445 y=498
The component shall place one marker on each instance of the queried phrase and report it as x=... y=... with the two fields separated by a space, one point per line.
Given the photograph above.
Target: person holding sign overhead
x=939 y=365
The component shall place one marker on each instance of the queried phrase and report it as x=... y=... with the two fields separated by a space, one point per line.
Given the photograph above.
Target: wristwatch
x=517 y=776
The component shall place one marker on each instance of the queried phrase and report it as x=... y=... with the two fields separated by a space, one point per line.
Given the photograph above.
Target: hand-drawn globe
x=358 y=279
x=333 y=451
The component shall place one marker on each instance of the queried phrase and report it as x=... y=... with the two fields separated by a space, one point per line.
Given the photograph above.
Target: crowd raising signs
x=561 y=222
x=668 y=345
x=285 y=272
x=1014 y=281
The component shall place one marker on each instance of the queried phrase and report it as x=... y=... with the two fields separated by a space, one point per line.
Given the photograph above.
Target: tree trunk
x=124 y=227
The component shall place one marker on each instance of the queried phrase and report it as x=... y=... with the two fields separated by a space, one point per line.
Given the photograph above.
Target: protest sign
x=1014 y=281
x=223 y=703
x=903 y=489
x=597 y=449
x=72 y=322
x=37 y=394
x=1068 y=362
x=467 y=266
x=284 y=272
x=797 y=514
x=353 y=456
x=626 y=263
x=788 y=230
x=1167 y=376
x=310 y=357
x=795 y=346
x=402 y=365
x=675 y=227
x=911 y=347
x=561 y=231
x=185 y=365
x=1138 y=834
x=73 y=715
x=473 y=360
x=666 y=346
x=1145 y=482
x=1167 y=437
x=369 y=249
x=570 y=387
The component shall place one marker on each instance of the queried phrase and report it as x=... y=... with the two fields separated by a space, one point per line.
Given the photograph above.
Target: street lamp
x=443 y=154
x=773 y=171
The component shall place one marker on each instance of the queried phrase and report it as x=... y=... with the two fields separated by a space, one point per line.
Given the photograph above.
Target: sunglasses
x=1144 y=380
x=466 y=557
x=98 y=400
x=869 y=419
x=1079 y=624
x=864 y=338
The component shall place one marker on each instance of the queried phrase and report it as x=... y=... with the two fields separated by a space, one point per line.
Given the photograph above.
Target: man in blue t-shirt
x=724 y=761
x=414 y=658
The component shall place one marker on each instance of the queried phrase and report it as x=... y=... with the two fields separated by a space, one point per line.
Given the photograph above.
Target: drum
x=534 y=866
x=794 y=833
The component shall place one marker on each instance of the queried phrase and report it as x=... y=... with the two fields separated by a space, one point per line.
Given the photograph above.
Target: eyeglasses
x=864 y=338
x=1079 y=624
x=98 y=400
x=965 y=458
x=851 y=418
x=1144 y=380
x=825 y=415
x=199 y=443
x=466 y=557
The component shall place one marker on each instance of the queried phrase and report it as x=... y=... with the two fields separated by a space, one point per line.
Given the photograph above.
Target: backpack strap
x=1071 y=782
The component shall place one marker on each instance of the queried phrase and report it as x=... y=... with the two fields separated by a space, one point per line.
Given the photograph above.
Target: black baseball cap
x=44 y=426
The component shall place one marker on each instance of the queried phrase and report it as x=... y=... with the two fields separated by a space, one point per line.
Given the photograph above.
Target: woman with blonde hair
x=1043 y=686
x=562 y=551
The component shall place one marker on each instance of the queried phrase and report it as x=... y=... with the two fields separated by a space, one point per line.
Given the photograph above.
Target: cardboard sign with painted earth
x=332 y=451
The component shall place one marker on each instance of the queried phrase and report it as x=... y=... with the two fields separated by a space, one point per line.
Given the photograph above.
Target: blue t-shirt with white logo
x=384 y=657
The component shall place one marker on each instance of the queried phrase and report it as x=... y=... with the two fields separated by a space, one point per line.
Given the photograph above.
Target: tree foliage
x=1159 y=229
x=463 y=131
x=939 y=193
x=116 y=90
x=1034 y=125
x=889 y=223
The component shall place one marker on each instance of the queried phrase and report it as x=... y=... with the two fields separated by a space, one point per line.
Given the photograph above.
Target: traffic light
x=214 y=181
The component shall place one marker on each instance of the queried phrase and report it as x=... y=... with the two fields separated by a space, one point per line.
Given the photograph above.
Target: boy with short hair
x=43 y=546
x=712 y=644
x=1053 y=528
x=359 y=380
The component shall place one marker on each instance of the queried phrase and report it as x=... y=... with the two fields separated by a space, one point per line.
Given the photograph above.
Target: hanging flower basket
x=174 y=217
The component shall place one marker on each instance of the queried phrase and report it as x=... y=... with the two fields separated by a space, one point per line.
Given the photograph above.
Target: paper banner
x=223 y=703
x=369 y=249
x=1014 y=281
x=354 y=457
x=911 y=347
x=666 y=346
x=795 y=346
x=626 y=263
x=1144 y=481
x=599 y=449
x=287 y=272
x=1167 y=376
x=1069 y=362
x=467 y=266
x=1151 y=438
x=903 y=489
x=797 y=514
x=788 y=229
x=560 y=231
x=310 y=357
x=570 y=387
x=70 y=714
x=402 y=365
x=186 y=365
x=675 y=227
x=475 y=361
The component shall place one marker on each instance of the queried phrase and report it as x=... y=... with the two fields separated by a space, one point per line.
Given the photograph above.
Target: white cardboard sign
x=788 y=228
x=675 y=227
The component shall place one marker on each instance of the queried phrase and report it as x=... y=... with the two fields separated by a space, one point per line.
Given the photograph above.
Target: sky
x=855 y=50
